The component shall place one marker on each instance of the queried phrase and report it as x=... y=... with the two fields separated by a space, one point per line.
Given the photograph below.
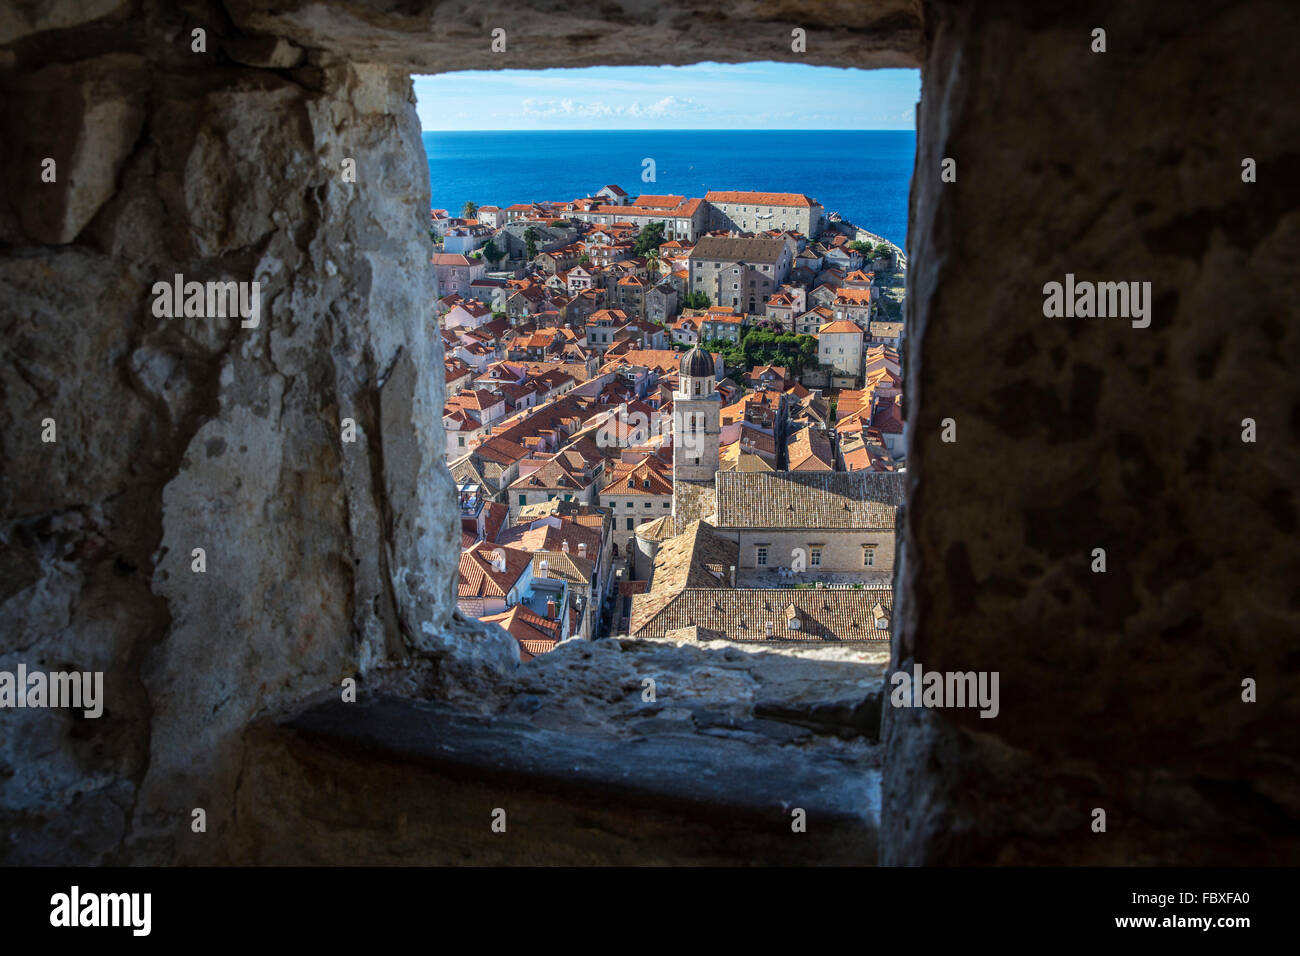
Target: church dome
x=697 y=364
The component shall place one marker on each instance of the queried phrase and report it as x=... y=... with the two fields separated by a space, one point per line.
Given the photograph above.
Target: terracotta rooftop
x=662 y=361
x=535 y=634
x=501 y=451
x=649 y=476
x=842 y=326
x=478 y=577
x=550 y=534
x=758 y=199
x=810 y=450
x=659 y=202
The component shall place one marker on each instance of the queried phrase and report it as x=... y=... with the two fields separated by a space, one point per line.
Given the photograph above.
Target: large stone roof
x=693 y=501
x=660 y=529
x=697 y=558
x=564 y=566
x=730 y=249
x=797 y=500
x=822 y=614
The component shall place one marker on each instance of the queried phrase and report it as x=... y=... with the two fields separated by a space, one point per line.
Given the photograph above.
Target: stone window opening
x=383 y=610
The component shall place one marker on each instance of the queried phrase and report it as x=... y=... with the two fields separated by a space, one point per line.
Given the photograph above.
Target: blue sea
x=864 y=175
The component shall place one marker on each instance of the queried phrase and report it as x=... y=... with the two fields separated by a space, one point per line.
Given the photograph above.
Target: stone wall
x=841 y=550
x=326 y=559
x=323 y=559
x=1120 y=690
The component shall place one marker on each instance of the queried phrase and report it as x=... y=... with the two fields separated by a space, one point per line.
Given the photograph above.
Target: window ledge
x=698 y=777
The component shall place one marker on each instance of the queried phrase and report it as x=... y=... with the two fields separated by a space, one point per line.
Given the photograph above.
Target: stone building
x=739 y=273
x=682 y=218
x=636 y=493
x=828 y=525
x=839 y=345
x=759 y=212
x=454 y=273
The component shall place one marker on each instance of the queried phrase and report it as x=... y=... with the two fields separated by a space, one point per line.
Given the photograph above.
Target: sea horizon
x=869 y=185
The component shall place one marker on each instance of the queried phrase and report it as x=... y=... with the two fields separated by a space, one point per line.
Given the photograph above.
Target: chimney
x=542 y=568
x=550 y=610
x=582 y=549
x=733 y=577
x=564 y=545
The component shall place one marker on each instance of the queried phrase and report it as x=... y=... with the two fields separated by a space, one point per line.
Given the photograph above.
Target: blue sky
x=700 y=96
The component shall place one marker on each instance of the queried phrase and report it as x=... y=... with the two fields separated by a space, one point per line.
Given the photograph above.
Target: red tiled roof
x=759 y=199
x=535 y=634
x=810 y=450
x=659 y=202
x=648 y=470
x=478 y=578
x=551 y=537
x=844 y=325
x=501 y=451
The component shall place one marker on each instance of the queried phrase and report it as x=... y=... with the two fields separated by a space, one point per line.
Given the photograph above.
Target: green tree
x=584 y=260
x=696 y=300
x=530 y=240
x=807 y=351
x=758 y=346
x=470 y=210
x=651 y=237
x=491 y=252
x=865 y=248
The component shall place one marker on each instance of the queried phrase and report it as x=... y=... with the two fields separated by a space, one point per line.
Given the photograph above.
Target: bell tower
x=697 y=415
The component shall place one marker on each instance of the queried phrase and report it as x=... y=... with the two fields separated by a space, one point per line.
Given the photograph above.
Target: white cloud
x=667 y=106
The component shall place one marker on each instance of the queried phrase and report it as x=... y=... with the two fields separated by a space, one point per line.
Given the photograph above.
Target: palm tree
x=470 y=210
